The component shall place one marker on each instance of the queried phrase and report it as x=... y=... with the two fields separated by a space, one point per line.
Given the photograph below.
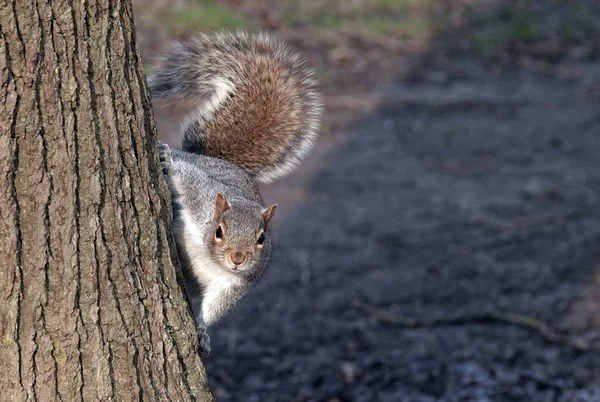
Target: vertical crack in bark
x=138 y=379
x=14 y=196
x=39 y=68
x=8 y=66
x=34 y=367
x=113 y=385
x=105 y=345
x=77 y=197
x=77 y=201
x=165 y=369
x=102 y=196
x=17 y=26
x=39 y=61
x=57 y=394
x=19 y=245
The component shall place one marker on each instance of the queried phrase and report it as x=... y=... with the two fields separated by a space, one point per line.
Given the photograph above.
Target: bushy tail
x=258 y=102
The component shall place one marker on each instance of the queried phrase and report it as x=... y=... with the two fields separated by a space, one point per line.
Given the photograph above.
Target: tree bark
x=91 y=301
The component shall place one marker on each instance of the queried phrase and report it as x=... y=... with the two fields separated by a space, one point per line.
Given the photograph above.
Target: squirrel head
x=240 y=238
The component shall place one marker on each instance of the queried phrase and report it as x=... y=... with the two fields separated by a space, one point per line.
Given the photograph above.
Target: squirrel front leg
x=201 y=326
x=203 y=338
x=165 y=157
x=166 y=161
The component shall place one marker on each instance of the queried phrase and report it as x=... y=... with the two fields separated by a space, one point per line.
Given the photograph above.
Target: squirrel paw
x=164 y=155
x=204 y=341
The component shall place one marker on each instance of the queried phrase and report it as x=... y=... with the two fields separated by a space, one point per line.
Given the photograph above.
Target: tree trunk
x=91 y=303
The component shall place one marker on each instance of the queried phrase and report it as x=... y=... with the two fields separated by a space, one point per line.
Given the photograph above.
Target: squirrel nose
x=238 y=257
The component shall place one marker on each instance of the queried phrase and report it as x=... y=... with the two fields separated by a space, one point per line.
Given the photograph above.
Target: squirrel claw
x=164 y=155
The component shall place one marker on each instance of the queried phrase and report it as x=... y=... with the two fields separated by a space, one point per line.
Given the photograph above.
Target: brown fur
x=259 y=106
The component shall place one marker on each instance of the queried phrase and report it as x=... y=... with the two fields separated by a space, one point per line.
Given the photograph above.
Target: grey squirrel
x=257 y=115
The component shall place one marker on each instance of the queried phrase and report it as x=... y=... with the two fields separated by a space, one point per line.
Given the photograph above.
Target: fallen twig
x=494 y=317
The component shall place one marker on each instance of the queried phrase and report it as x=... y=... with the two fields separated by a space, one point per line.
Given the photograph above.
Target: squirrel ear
x=268 y=213
x=221 y=205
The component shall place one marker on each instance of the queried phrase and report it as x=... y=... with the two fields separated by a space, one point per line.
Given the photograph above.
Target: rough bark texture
x=91 y=306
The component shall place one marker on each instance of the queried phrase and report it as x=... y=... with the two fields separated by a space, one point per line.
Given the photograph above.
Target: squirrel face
x=240 y=239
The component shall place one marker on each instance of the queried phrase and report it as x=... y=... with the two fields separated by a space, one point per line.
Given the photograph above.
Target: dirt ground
x=441 y=244
x=435 y=212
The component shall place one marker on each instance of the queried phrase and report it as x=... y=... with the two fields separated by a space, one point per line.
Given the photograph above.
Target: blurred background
x=442 y=242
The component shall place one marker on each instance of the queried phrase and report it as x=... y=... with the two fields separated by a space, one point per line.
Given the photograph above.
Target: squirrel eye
x=261 y=238
x=219 y=232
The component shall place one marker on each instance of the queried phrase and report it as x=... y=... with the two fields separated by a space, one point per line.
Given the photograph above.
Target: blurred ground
x=443 y=241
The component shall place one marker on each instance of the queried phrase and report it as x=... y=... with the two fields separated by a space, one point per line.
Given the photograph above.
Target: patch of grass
x=415 y=27
x=380 y=25
x=328 y=21
x=498 y=30
x=523 y=26
x=203 y=15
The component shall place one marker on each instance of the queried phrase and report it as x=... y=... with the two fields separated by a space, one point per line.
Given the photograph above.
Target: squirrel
x=257 y=115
